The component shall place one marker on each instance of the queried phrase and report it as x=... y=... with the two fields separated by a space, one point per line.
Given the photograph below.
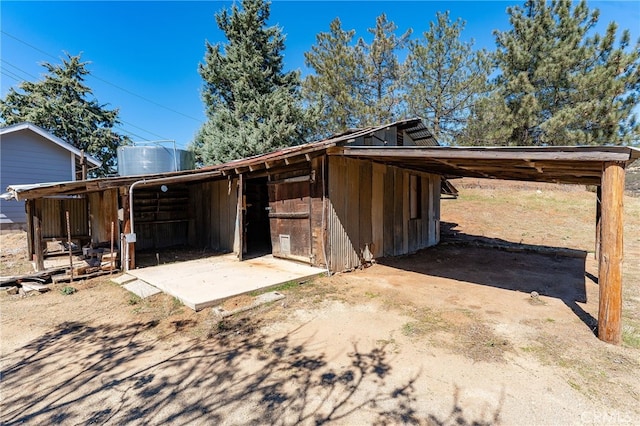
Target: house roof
x=578 y=165
x=45 y=134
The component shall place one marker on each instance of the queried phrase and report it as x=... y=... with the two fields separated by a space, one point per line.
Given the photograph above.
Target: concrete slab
x=123 y=279
x=205 y=282
x=141 y=288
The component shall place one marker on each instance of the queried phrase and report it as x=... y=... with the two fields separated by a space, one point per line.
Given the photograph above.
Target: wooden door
x=290 y=218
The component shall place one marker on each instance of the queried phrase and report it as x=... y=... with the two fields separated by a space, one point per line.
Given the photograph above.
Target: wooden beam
x=611 y=253
x=596 y=253
x=37 y=243
x=612 y=154
x=29 y=207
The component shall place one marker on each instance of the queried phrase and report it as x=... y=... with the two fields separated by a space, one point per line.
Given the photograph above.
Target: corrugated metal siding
x=344 y=214
x=53 y=217
x=29 y=158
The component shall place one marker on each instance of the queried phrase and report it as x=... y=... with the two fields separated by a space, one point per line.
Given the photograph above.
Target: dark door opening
x=257 y=233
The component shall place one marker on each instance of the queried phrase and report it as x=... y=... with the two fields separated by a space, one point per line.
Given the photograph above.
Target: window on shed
x=415 y=197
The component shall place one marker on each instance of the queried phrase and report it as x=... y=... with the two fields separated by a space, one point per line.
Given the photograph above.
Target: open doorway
x=257 y=233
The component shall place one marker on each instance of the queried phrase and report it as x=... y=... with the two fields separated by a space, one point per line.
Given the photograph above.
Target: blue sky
x=144 y=55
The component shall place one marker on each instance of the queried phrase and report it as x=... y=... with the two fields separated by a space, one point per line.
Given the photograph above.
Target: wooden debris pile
x=92 y=263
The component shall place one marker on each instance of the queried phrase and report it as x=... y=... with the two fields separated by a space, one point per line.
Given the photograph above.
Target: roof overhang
x=56 y=140
x=575 y=165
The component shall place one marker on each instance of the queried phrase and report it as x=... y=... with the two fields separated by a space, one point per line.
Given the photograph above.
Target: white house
x=30 y=154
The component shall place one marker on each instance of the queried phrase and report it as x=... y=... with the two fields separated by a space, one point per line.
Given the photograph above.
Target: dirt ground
x=449 y=335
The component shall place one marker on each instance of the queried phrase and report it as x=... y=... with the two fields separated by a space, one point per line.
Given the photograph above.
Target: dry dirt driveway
x=447 y=336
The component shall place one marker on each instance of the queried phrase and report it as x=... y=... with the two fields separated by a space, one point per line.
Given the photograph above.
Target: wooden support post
x=111 y=260
x=69 y=245
x=240 y=217
x=610 y=259
x=596 y=253
x=83 y=165
x=30 y=210
x=38 y=255
x=128 y=248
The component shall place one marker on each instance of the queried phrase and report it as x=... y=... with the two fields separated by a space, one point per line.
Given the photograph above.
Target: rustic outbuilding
x=337 y=203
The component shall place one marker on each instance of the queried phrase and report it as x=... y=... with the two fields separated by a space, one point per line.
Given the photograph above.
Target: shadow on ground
x=550 y=271
x=117 y=374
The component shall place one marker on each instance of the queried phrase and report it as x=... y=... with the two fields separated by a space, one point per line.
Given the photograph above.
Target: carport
x=602 y=166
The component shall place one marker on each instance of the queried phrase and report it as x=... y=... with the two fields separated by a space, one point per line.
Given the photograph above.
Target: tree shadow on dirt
x=238 y=375
x=550 y=271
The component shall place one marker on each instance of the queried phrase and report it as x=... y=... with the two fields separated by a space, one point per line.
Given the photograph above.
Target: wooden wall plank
x=365 y=202
x=389 y=211
x=398 y=213
x=435 y=194
x=424 y=213
x=377 y=210
x=405 y=212
x=352 y=203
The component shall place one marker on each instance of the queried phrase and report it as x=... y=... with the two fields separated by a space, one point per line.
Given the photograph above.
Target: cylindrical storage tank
x=148 y=160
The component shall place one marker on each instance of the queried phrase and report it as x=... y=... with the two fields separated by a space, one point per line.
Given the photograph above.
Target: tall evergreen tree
x=253 y=106
x=562 y=86
x=381 y=86
x=64 y=105
x=333 y=87
x=444 y=77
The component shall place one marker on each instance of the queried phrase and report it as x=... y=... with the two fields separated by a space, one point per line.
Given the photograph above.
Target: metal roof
x=579 y=165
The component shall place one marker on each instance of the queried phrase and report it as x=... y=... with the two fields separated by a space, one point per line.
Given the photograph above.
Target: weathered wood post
x=38 y=255
x=611 y=249
x=596 y=253
x=69 y=243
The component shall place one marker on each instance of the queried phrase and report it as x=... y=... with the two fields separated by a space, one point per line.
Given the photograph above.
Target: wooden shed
x=337 y=203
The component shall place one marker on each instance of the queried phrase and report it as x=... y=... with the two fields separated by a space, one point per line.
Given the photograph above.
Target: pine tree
x=333 y=88
x=444 y=77
x=253 y=106
x=489 y=123
x=355 y=85
x=381 y=86
x=63 y=104
x=562 y=86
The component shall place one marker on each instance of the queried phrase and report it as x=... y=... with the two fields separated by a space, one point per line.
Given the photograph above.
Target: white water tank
x=148 y=160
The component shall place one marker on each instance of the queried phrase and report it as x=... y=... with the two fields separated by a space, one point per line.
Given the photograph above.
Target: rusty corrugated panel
x=54 y=225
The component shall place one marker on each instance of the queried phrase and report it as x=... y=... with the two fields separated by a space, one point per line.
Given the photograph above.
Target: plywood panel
x=103 y=208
